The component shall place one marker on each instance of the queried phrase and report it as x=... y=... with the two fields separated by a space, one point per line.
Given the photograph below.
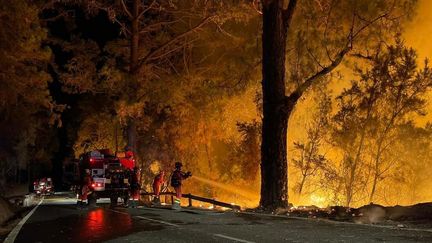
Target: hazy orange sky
x=418 y=34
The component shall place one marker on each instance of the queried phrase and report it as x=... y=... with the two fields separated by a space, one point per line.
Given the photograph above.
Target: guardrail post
x=190 y=200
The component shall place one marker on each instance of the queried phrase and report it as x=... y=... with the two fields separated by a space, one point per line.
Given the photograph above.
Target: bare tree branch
x=289 y=12
x=256 y=7
x=362 y=56
x=172 y=50
x=125 y=9
x=62 y=14
x=339 y=57
x=224 y=31
x=355 y=34
x=314 y=57
x=151 y=54
x=124 y=28
x=305 y=85
x=157 y=25
x=146 y=9
x=326 y=29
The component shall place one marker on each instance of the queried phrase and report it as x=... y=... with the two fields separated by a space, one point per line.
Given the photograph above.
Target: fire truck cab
x=110 y=175
x=43 y=186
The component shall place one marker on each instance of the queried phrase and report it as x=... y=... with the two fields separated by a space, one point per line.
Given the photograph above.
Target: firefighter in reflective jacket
x=85 y=188
x=157 y=183
x=176 y=181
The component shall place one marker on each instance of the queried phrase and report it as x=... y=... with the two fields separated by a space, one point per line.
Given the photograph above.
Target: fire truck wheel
x=92 y=200
x=126 y=200
x=113 y=200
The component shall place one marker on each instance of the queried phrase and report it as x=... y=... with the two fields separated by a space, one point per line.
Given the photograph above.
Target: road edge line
x=115 y=211
x=14 y=233
x=145 y=218
x=157 y=221
x=317 y=219
x=232 y=238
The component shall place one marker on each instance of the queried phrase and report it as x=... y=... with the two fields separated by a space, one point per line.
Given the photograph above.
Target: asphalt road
x=57 y=219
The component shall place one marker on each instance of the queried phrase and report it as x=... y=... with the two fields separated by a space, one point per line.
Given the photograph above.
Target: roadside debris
x=419 y=215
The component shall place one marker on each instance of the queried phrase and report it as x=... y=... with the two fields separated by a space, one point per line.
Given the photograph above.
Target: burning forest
x=268 y=103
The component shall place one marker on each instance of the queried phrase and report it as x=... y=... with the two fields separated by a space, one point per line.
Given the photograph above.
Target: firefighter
x=128 y=152
x=176 y=181
x=85 y=188
x=135 y=186
x=157 y=183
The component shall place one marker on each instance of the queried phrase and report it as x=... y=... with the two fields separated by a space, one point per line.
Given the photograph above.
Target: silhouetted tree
x=404 y=87
x=309 y=159
x=316 y=31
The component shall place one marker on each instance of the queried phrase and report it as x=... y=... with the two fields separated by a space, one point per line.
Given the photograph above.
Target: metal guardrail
x=197 y=198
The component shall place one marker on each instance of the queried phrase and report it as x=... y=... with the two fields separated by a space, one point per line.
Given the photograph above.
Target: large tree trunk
x=133 y=70
x=274 y=178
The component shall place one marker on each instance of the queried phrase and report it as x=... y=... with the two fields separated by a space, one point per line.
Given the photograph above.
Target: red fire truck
x=110 y=174
x=43 y=186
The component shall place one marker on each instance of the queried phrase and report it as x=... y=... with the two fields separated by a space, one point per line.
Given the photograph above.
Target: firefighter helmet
x=178 y=164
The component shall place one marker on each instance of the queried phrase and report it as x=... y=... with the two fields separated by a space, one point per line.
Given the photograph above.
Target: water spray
x=233 y=189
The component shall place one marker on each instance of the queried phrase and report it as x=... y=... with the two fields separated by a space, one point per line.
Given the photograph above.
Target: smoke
x=371 y=214
x=418 y=31
x=417 y=34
